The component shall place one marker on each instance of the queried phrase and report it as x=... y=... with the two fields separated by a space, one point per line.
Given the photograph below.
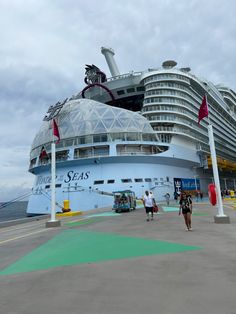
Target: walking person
x=185 y=206
x=201 y=196
x=167 y=197
x=148 y=203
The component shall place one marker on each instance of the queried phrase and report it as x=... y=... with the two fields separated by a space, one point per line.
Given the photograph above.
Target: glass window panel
x=104 y=138
x=124 y=122
x=69 y=142
x=130 y=90
x=140 y=88
x=108 y=123
x=88 y=139
x=120 y=92
x=96 y=138
x=108 y=114
x=133 y=137
x=81 y=140
x=100 y=128
x=118 y=136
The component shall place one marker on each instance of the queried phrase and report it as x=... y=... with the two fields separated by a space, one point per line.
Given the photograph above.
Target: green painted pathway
x=106 y=214
x=72 y=247
x=170 y=209
x=176 y=209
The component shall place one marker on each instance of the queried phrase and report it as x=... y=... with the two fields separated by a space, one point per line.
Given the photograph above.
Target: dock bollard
x=66 y=206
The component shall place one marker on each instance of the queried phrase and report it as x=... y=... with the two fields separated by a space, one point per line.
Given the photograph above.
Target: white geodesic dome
x=88 y=117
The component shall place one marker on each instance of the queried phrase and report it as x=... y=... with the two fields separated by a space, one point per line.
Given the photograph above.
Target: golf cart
x=124 y=201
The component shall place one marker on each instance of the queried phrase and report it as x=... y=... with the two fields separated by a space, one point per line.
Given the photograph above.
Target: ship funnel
x=109 y=53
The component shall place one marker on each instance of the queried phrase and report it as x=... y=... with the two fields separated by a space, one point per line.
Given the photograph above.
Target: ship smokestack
x=109 y=53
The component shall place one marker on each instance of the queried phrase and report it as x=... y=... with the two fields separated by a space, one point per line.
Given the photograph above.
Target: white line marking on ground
x=24 y=236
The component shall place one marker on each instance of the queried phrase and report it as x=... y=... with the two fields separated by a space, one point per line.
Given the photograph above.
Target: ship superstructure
x=170 y=99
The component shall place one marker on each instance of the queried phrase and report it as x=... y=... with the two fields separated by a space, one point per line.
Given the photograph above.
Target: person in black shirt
x=185 y=206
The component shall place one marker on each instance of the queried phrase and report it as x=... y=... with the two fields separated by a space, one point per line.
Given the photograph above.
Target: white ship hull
x=76 y=182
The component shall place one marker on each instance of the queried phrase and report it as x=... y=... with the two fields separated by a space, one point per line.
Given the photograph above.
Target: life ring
x=212 y=194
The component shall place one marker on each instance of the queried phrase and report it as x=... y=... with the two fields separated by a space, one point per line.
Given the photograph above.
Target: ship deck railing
x=122 y=76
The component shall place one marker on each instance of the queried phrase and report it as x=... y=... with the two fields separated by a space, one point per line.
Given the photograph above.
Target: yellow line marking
x=69 y=214
x=24 y=236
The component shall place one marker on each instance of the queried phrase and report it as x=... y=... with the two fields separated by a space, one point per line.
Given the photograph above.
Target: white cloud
x=45 y=45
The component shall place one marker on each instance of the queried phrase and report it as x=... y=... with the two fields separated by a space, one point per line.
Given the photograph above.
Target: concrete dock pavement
x=102 y=262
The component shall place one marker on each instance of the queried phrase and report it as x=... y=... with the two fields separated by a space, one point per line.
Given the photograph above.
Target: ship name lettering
x=43 y=180
x=47 y=180
x=76 y=176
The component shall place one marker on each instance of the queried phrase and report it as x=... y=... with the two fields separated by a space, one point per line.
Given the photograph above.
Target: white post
x=215 y=171
x=53 y=222
x=53 y=182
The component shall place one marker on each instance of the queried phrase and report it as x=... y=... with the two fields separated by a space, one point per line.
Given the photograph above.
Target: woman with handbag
x=185 y=206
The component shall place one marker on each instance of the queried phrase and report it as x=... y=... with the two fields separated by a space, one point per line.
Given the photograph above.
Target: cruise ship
x=136 y=131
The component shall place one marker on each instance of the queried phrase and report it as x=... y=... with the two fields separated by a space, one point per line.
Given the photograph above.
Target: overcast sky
x=45 y=45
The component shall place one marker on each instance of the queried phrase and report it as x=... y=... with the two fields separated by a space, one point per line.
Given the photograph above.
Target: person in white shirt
x=167 y=197
x=148 y=204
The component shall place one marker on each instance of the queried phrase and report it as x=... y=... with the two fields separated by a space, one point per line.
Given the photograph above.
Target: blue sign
x=181 y=184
